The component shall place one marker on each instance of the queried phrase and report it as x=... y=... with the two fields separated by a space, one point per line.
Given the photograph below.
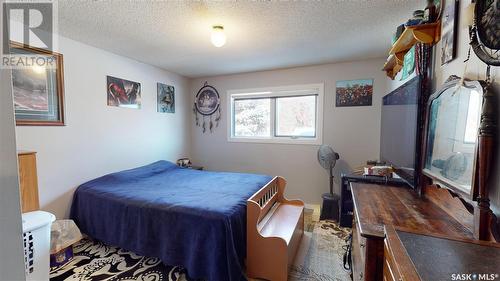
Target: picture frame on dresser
x=38 y=88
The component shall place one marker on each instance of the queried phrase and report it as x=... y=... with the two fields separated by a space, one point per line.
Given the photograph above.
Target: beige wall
x=353 y=132
x=99 y=139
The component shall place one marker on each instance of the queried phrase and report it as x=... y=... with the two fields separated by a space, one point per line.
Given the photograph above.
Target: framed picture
x=123 y=93
x=439 y=8
x=408 y=64
x=354 y=93
x=166 y=98
x=38 y=90
x=449 y=31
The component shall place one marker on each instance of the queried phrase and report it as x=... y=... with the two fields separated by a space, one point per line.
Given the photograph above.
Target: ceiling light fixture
x=218 y=37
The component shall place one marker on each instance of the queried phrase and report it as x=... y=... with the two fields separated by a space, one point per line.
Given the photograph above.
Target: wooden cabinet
x=411 y=255
x=366 y=255
x=397 y=266
x=361 y=270
x=28 y=181
x=377 y=206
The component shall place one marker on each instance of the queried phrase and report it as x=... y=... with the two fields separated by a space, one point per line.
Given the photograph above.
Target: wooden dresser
x=413 y=256
x=376 y=206
x=28 y=181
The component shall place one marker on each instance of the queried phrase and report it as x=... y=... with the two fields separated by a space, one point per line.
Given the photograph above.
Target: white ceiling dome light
x=218 y=36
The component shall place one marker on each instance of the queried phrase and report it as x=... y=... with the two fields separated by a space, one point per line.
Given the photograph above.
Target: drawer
x=367 y=256
x=388 y=274
x=358 y=259
x=362 y=246
x=390 y=267
x=360 y=239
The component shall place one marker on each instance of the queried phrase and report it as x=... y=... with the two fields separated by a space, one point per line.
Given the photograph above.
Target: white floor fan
x=327 y=158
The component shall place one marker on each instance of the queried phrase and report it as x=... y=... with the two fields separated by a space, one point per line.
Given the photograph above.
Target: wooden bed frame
x=275 y=227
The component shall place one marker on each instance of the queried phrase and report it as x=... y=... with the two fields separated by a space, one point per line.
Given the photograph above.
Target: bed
x=194 y=219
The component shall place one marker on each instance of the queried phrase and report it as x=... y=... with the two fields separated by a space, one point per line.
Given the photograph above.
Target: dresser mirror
x=452 y=135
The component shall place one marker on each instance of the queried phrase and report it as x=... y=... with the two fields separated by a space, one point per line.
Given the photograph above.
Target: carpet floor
x=319 y=258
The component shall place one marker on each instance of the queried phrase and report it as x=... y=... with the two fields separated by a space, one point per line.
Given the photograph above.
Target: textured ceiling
x=175 y=35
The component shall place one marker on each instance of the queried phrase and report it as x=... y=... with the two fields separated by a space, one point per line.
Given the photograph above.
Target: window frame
x=460 y=144
x=273 y=93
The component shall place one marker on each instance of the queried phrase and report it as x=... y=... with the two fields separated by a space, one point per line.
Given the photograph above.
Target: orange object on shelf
x=429 y=33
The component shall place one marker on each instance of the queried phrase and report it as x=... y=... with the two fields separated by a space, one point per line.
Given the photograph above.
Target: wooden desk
x=376 y=206
x=415 y=256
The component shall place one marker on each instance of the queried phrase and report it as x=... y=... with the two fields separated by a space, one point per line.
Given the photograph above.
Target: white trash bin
x=36 y=236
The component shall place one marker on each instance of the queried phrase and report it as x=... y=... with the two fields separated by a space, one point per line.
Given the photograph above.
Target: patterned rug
x=94 y=260
x=319 y=258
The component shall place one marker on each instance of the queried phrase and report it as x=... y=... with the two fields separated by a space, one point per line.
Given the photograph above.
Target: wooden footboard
x=275 y=226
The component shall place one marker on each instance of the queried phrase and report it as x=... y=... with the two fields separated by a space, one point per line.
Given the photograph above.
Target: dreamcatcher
x=207 y=108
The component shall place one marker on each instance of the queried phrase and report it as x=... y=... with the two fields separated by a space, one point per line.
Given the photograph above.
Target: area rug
x=94 y=260
x=319 y=258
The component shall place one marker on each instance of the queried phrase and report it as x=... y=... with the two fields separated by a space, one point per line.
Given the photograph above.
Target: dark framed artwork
x=449 y=31
x=354 y=93
x=439 y=8
x=123 y=93
x=166 y=98
x=38 y=90
x=408 y=64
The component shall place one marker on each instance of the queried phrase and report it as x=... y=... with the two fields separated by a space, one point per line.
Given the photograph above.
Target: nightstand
x=199 y=168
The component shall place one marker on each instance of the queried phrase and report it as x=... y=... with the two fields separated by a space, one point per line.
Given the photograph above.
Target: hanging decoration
x=207 y=108
x=485 y=34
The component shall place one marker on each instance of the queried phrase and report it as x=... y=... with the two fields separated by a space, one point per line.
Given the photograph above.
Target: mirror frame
x=470 y=196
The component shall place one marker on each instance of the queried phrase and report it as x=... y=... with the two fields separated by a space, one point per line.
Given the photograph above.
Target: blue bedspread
x=194 y=219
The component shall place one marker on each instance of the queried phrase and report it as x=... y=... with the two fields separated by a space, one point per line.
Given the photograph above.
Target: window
x=467 y=125
x=473 y=118
x=291 y=114
x=252 y=117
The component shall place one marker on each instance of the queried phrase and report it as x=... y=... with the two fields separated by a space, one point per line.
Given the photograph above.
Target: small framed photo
x=38 y=90
x=354 y=93
x=123 y=93
x=165 y=98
